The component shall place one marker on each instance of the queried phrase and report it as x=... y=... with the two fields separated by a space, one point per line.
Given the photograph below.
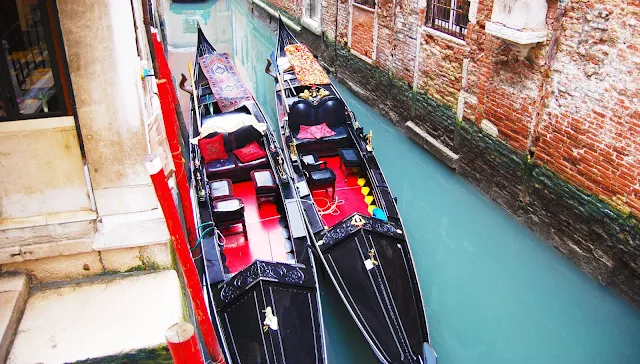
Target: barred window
x=448 y=16
x=368 y=3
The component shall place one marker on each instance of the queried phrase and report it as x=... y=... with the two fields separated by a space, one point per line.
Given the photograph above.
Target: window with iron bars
x=448 y=16
x=368 y=3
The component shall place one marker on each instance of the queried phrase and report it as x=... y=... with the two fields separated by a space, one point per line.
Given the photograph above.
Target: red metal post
x=163 y=66
x=170 y=126
x=183 y=345
x=179 y=241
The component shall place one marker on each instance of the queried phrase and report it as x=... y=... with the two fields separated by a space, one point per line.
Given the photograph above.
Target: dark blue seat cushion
x=322 y=177
x=220 y=165
x=258 y=163
x=350 y=157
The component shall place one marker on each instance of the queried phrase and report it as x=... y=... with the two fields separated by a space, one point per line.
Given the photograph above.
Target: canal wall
x=514 y=115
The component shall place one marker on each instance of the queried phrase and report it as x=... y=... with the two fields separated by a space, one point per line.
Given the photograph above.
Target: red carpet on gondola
x=265 y=240
x=347 y=190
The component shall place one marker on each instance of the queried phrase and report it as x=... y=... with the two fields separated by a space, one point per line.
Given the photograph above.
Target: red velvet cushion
x=250 y=152
x=306 y=132
x=322 y=130
x=212 y=149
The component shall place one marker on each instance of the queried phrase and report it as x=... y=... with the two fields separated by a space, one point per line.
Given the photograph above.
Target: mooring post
x=183 y=253
x=183 y=345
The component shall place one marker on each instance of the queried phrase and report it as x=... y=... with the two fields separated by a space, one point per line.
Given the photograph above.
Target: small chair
x=350 y=159
x=322 y=179
x=227 y=212
x=220 y=188
x=265 y=185
x=311 y=162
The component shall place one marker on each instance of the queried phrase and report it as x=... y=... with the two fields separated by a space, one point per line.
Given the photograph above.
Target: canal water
x=494 y=292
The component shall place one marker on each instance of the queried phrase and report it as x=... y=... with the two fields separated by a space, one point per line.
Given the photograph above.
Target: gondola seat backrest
x=330 y=110
x=246 y=135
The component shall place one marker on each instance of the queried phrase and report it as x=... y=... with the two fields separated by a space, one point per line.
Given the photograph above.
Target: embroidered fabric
x=250 y=152
x=306 y=132
x=212 y=149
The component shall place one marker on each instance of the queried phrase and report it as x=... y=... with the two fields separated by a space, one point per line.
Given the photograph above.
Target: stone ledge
x=57 y=218
x=514 y=35
x=131 y=230
x=312 y=26
x=432 y=145
x=121 y=314
x=14 y=289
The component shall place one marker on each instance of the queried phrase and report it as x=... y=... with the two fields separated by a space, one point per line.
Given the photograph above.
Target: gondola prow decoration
x=368 y=139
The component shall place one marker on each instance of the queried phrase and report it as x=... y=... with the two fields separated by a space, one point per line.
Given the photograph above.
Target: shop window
x=448 y=16
x=30 y=77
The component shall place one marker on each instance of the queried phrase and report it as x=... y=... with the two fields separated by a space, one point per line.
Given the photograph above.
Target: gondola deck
x=368 y=259
x=259 y=274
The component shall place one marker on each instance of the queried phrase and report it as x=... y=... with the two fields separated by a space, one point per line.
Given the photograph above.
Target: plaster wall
x=520 y=14
x=104 y=64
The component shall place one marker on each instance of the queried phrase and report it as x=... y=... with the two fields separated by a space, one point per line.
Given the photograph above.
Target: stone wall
x=565 y=159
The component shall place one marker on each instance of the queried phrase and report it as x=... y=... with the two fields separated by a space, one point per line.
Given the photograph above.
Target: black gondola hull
x=244 y=306
x=369 y=260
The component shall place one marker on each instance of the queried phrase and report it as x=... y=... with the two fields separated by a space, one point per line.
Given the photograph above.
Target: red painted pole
x=179 y=241
x=183 y=345
x=171 y=129
x=163 y=66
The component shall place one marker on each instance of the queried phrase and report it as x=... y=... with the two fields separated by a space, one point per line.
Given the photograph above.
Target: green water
x=494 y=292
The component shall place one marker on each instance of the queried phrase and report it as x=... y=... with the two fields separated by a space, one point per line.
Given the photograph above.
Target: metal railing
x=448 y=16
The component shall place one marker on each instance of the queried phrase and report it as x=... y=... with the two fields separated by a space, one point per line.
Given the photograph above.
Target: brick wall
x=590 y=131
x=362 y=21
x=566 y=161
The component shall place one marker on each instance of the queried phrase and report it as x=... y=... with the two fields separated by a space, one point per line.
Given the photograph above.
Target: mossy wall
x=157 y=355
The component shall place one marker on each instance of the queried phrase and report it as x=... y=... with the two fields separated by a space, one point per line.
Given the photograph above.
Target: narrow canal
x=494 y=292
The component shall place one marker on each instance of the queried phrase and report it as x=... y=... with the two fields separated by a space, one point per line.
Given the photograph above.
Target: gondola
x=349 y=208
x=258 y=272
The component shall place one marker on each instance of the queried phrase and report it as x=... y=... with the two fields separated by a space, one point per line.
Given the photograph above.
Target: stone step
x=14 y=289
x=109 y=319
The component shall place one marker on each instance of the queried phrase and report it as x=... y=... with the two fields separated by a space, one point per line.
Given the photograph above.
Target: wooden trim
x=61 y=62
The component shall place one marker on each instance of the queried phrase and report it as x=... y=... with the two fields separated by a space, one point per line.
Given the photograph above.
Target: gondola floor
x=265 y=238
x=347 y=190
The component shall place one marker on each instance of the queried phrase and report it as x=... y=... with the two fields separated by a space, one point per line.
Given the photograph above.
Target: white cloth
x=227 y=123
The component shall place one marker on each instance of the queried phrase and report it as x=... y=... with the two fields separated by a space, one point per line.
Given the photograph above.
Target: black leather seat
x=227 y=212
x=350 y=158
x=220 y=188
x=231 y=168
x=311 y=162
x=265 y=185
x=322 y=179
x=330 y=110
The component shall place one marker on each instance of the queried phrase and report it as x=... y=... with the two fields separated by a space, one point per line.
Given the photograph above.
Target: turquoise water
x=494 y=292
